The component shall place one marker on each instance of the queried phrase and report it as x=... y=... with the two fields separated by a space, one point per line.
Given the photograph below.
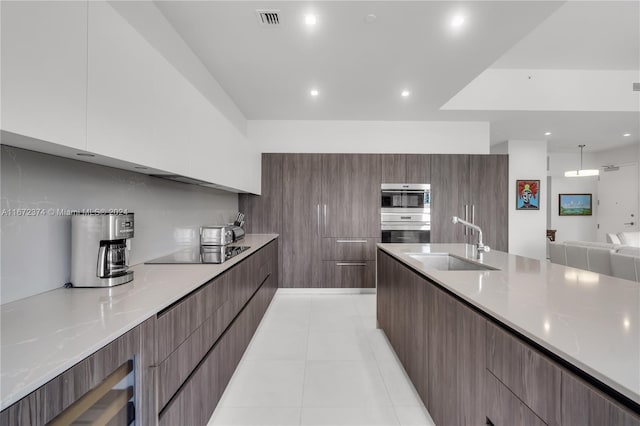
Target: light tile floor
x=319 y=360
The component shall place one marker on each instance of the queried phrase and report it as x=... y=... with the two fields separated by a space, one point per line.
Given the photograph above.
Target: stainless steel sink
x=447 y=262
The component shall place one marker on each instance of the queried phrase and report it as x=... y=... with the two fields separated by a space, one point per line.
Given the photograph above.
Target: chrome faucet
x=480 y=247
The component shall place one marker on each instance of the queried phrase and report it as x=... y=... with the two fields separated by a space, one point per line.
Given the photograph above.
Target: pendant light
x=581 y=172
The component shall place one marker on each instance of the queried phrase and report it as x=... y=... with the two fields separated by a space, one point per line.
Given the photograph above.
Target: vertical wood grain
x=471 y=329
x=349 y=274
x=264 y=212
x=418 y=168
x=146 y=384
x=490 y=196
x=302 y=221
x=530 y=376
x=582 y=405
x=349 y=249
x=504 y=408
x=351 y=192
x=394 y=168
x=449 y=195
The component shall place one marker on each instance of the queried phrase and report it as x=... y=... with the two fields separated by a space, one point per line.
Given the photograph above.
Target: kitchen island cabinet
x=441 y=343
x=495 y=352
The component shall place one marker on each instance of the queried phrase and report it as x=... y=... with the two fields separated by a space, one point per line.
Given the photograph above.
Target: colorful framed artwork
x=575 y=205
x=527 y=195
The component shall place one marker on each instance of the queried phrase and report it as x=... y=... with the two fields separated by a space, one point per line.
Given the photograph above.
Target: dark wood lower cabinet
x=195 y=402
x=440 y=342
x=349 y=274
x=470 y=370
x=582 y=405
x=531 y=376
x=44 y=404
x=183 y=357
x=504 y=408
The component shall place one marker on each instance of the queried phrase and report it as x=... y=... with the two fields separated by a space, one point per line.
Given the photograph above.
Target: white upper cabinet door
x=126 y=107
x=44 y=70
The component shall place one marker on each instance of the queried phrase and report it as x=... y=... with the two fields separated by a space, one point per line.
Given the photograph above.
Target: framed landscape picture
x=527 y=195
x=575 y=205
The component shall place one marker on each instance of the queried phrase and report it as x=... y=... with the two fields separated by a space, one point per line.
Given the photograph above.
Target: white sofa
x=631 y=239
x=603 y=258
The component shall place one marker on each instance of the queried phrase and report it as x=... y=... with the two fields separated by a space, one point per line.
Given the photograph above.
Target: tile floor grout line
x=384 y=382
x=368 y=333
x=306 y=356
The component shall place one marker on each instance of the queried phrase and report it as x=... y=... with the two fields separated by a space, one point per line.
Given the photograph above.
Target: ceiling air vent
x=268 y=18
x=636 y=87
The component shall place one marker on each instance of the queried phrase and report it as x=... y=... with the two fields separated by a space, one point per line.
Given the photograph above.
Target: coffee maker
x=100 y=249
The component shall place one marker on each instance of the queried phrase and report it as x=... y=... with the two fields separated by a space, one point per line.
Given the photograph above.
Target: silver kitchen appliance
x=405 y=213
x=220 y=235
x=100 y=249
x=215 y=246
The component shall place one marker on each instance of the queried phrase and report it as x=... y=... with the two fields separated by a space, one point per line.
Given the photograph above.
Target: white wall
x=149 y=21
x=573 y=228
x=437 y=137
x=581 y=228
x=527 y=228
x=36 y=251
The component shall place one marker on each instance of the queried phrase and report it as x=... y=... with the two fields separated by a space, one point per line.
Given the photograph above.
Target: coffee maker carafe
x=99 y=249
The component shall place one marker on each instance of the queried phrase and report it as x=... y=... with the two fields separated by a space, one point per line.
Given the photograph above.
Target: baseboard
x=285 y=291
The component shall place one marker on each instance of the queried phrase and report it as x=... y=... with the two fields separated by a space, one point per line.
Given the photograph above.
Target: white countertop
x=44 y=335
x=590 y=320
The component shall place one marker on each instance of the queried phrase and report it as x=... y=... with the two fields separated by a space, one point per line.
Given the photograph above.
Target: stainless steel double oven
x=405 y=212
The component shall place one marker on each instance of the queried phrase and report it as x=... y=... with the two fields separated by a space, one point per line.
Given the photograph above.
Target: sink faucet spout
x=480 y=246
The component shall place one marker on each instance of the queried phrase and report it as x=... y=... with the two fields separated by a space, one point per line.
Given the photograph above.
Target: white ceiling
x=591 y=35
x=360 y=68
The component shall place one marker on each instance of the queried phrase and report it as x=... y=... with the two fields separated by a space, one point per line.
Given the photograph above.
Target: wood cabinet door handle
x=350 y=264
x=352 y=241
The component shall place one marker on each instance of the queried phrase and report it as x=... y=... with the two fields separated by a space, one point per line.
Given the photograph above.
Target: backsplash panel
x=35 y=252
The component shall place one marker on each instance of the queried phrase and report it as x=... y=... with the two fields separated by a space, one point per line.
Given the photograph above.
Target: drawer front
x=196 y=400
x=504 y=408
x=582 y=405
x=174 y=370
x=349 y=274
x=176 y=323
x=349 y=248
x=528 y=374
x=45 y=403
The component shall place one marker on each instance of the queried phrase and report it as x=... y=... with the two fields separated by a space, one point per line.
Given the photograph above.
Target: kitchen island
x=171 y=320
x=504 y=339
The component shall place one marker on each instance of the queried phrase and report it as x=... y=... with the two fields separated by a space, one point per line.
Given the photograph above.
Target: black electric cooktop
x=200 y=254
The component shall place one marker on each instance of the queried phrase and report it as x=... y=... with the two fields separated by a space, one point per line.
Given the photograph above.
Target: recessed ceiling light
x=626 y=135
x=547 y=133
x=405 y=93
x=85 y=154
x=314 y=92
x=310 y=19
x=370 y=18
x=457 y=21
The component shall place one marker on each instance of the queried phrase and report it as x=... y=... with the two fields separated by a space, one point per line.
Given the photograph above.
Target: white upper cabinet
x=126 y=108
x=44 y=70
x=79 y=74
